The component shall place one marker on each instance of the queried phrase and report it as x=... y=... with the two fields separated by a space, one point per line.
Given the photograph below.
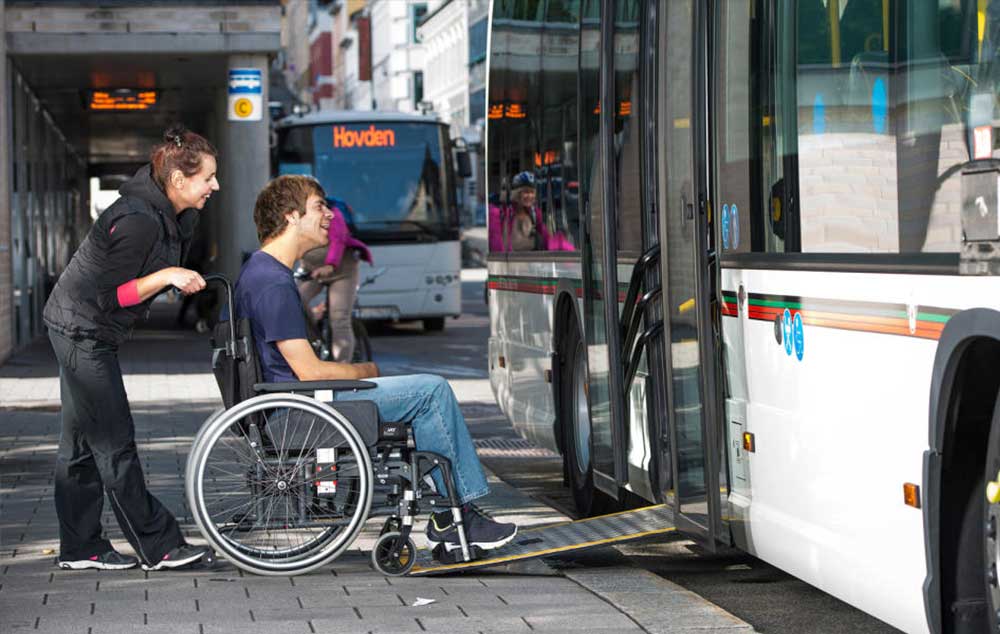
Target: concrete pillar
x=244 y=168
x=6 y=253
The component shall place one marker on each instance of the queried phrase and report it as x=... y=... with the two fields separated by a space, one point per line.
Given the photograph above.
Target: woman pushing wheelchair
x=292 y=218
x=131 y=254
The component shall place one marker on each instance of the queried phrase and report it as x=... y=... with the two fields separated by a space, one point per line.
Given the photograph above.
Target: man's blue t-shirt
x=266 y=294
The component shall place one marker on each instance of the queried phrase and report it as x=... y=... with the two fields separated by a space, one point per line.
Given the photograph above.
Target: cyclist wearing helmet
x=518 y=226
x=336 y=266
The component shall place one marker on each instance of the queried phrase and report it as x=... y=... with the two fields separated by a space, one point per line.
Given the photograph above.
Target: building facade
x=351 y=37
x=397 y=54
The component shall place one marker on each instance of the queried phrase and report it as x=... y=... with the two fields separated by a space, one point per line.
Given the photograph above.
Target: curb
x=657 y=605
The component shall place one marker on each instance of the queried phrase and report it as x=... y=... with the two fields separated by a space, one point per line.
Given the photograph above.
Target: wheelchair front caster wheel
x=391 y=524
x=392 y=559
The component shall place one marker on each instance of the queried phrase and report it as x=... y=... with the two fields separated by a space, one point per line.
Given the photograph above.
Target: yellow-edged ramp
x=566 y=537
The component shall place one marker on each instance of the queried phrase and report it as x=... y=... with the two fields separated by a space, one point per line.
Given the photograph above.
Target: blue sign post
x=246 y=94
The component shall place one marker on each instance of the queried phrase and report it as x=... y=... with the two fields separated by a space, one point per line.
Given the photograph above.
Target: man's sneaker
x=111 y=560
x=480 y=530
x=183 y=555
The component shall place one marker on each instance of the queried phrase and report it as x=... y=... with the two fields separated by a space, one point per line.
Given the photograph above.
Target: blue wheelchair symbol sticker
x=798 y=336
x=786 y=327
x=725 y=226
x=735 y=222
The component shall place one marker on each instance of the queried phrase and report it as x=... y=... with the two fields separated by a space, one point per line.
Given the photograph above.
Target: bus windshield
x=391 y=175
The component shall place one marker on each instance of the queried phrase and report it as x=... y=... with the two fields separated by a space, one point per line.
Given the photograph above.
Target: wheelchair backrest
x=234 y=362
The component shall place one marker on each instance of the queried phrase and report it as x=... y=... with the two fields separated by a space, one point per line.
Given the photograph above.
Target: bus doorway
x=692 y=437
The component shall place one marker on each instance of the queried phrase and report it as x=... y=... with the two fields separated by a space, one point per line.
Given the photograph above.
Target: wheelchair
x=281 y=481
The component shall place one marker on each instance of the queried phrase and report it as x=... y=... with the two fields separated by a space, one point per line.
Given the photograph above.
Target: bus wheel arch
x=570 y=345
x=573 y=419
x=964 y=391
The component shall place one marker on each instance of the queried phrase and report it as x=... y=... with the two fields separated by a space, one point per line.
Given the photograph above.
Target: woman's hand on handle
x=185 y=280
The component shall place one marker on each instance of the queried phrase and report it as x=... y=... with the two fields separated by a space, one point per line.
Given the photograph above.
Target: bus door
x=620 y=247
x=598 y=252
x=692 y=438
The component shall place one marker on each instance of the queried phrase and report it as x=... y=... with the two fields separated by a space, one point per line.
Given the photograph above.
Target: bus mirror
x=463 y=166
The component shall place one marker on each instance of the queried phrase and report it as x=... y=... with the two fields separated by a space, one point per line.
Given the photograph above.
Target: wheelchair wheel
x=280 y=484
x=387 y=561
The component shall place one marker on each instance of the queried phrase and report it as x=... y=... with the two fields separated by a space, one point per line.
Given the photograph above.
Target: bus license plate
x=376 y=312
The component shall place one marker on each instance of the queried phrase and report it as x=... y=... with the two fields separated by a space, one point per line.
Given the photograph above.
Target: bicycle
x=320 y=331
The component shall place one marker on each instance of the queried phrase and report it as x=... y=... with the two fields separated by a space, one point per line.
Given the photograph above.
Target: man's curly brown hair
x=281 y=196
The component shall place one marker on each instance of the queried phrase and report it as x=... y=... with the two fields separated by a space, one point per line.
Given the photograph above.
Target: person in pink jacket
x=519 y=225
x=336 y=266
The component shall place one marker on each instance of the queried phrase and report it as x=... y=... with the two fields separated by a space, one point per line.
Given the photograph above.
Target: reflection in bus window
x=863 y=122
x=532 y=140
x=628 y=184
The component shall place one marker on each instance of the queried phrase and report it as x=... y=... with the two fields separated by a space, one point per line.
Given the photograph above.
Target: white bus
x=778 y=309
x=396 y=175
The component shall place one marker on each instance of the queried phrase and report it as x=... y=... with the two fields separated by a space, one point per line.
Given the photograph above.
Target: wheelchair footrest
x=443 y=556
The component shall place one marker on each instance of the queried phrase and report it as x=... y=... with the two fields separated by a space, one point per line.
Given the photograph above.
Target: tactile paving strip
x=564 y=538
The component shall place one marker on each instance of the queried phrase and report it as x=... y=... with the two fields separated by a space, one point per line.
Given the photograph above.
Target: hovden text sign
x=344 y=137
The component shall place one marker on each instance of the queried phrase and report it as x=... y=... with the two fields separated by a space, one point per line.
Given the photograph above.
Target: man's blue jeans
x=428 y=404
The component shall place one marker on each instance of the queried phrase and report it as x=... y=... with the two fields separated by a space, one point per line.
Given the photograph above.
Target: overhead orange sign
x=122 y=99
x=372 y=137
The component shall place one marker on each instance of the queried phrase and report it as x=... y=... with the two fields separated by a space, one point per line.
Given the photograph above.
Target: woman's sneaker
x=111 y=560
x=183 y=555
x=480 y=531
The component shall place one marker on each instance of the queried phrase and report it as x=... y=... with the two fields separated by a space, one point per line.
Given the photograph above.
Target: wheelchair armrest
x=312 y=386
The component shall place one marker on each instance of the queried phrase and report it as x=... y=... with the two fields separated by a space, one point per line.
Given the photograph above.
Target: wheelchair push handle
x=222 y=279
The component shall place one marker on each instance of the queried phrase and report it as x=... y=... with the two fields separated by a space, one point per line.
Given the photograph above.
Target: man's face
x=313 y=227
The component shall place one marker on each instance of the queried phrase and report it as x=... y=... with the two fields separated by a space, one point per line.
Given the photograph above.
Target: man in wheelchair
x=291 y=218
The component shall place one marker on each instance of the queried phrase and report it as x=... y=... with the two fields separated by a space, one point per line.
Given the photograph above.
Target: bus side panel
x=734 y=362
x=521 y=321
x=840 y=431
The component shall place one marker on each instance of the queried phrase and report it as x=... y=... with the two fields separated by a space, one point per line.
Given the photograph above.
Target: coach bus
x=743 y=262
x=396 y=175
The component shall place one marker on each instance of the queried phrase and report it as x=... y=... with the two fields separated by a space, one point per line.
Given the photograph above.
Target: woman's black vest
x=74 y=307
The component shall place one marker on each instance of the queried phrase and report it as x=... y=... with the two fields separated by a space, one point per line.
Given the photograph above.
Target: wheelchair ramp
x=567 y=537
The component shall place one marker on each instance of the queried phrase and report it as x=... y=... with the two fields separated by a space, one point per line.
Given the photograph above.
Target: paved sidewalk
x=172 y=393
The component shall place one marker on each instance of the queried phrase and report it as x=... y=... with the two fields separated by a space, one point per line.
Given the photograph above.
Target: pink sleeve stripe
x=128 y=294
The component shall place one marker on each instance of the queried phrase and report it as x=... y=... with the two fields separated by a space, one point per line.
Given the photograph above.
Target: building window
x=418 y=89
x=477 y=106
x=477 y=42
x=417 y=13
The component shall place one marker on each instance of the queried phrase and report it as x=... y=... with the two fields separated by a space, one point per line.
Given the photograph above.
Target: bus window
x=862 y=120
x=556 y=160
x=732 y=123
x=628 y=184
x=515 y=216
x=496 y=146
